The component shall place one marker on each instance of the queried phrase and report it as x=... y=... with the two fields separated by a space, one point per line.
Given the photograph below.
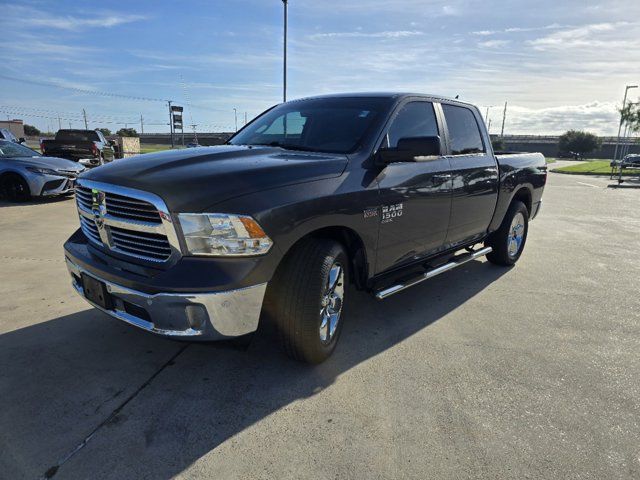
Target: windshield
x=77 y=136
x=13 y=150
x=332 y=125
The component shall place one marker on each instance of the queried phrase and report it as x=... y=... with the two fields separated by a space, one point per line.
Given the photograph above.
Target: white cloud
x=77 y=23
x=494 y=43
x=596 y=117
x=358 y=34
x=32 y=17
x=596 y=35
x=484 y=33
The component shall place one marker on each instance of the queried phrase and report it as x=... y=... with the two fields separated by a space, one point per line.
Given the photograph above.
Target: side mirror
x=21 y=140
x=113 y=143
x=412 y=149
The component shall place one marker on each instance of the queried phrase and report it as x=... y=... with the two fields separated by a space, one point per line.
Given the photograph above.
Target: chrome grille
x=141 y=243
x=121 y=206
x=126 y=221
x=89 y=229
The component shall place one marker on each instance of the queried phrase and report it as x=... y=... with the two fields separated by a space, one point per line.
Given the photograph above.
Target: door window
x=415 y=119
x=464 y=133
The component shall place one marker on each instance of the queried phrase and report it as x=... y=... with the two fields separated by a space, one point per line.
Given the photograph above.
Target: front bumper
x=50 y=185
x=193 y=316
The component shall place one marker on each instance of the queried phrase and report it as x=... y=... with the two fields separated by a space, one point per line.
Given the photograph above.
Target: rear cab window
x=77 y=136
x=464 y=132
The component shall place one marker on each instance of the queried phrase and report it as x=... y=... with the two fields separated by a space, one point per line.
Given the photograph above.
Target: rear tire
x=15 y=188
x=307 y=297
x=509 y=240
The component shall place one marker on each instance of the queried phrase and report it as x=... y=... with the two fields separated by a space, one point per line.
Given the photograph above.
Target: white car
x=24 y=173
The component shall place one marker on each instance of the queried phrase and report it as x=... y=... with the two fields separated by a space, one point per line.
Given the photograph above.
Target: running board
x=456 y=262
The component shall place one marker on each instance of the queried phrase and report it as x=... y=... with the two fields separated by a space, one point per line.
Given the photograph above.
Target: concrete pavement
x=482 y=372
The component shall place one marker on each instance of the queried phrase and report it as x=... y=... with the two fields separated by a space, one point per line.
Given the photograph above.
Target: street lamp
x=624 y=103
x=284 y=76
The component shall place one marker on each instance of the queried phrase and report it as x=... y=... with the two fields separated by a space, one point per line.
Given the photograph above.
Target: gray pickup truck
x=375 y=191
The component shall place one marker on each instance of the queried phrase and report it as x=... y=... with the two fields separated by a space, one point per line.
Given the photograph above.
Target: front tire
x=509 y=240
x=15 y=188
x=308 y=297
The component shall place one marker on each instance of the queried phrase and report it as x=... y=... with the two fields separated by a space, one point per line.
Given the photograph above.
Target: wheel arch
x=351 y=241
x=7 y=174
x=524 y=195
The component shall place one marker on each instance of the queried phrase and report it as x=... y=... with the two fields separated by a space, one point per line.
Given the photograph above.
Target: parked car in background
x=88 y=147
x=5 y=134
x=573 y=155
x=379 y=191
x=24 y=173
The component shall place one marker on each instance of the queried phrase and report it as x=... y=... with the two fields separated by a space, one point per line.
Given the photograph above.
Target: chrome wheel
x=331 y=304
x=516 y=235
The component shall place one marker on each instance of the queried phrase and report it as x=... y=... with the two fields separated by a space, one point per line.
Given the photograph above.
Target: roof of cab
x=390 y=95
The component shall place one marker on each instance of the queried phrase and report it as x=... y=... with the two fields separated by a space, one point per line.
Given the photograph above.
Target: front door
x=415 y=197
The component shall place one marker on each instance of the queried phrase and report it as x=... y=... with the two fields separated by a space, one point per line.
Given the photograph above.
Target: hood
x=51 y=162
x=190 y=180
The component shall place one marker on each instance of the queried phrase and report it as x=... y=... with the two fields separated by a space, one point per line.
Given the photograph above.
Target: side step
x=456 y=262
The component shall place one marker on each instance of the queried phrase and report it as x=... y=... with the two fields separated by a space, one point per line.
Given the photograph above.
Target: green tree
x=31 y=131
x=105 y=131
x=630 y=115
x=579 y=142
x=498 y=145
x=127 y=132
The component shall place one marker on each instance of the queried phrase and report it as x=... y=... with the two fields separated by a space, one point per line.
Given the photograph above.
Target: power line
x=102 y=93
x=81 y=90
x=20 y=110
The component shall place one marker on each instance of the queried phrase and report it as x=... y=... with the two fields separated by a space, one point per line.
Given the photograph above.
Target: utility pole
x=170 y=122
x=624 y=104
x=141 y=125
x=235 y=113
x=59 y=123
x=284 y=76
x=195 y=133
x=245 y=118
x=84 y=114
x=504 y=118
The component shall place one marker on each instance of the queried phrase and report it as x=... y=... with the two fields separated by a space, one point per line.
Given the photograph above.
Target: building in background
x=15 y=126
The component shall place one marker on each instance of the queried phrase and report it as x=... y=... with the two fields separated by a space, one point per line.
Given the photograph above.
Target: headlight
x=43 y=171
x=219 y=234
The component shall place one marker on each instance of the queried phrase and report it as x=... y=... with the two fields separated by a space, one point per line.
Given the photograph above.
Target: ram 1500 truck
x=374 y=191
x=88 y=147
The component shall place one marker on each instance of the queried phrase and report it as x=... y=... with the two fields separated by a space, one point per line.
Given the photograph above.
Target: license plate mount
x=96 y=291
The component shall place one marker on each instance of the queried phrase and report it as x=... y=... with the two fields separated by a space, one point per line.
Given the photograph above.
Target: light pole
x=624 y=103
x=504 y=118
x=235 y=114
x=284 y=76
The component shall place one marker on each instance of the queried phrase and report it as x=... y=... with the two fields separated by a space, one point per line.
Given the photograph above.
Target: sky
x=559 y=64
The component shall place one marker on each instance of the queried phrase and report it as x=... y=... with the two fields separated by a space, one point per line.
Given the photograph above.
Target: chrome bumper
x=197 y=316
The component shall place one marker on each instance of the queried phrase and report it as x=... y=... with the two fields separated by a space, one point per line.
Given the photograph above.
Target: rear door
x=474 y=173
x=415 y=197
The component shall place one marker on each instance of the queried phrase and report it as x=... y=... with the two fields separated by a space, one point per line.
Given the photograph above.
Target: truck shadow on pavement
x=138 y=406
